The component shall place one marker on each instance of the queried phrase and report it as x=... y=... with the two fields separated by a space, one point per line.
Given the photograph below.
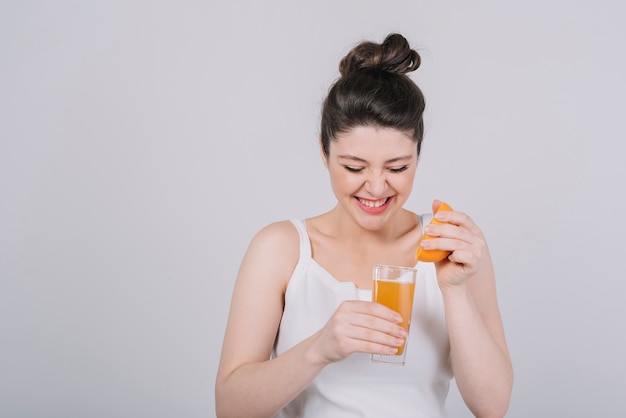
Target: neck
x=345 y=227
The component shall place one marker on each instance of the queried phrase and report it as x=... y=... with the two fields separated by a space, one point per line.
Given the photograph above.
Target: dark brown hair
x=374 y=90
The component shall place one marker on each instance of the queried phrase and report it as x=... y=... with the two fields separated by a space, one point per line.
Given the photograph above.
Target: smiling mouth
x=373 y=203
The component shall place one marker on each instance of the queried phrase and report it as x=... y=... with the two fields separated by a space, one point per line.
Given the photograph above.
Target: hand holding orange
x=432 y=255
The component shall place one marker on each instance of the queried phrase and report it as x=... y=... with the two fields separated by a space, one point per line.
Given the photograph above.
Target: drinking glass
x=394 y=287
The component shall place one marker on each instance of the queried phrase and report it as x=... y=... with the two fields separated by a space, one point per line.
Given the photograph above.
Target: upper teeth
x=373 y=203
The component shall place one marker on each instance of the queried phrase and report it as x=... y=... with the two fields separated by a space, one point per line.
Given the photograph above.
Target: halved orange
x=432 y=255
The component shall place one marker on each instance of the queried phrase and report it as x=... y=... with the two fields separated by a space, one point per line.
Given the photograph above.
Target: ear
x=324 y=157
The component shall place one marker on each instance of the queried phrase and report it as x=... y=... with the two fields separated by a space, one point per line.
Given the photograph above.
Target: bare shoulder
x=278 y=238
x=275 y=250
x=282 y=232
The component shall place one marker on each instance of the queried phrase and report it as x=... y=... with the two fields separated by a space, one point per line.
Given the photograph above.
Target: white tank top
x=356 y=387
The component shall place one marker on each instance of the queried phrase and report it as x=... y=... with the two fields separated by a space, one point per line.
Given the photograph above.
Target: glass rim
x=377 y=265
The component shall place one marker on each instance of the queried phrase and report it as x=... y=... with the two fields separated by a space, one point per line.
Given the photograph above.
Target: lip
x=374 y=211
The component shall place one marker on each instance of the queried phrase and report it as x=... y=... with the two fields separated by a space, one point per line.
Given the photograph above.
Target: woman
x=302 y=325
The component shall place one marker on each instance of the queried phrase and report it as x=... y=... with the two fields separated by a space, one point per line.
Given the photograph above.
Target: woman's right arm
x=248 y=383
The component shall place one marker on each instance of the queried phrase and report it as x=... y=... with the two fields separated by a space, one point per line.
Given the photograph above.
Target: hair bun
x=393 y=55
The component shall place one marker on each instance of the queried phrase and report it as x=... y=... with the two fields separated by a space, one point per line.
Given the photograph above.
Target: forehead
x=373 y=142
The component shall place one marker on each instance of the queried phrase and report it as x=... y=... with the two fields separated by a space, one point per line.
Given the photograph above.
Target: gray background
x=142 y=144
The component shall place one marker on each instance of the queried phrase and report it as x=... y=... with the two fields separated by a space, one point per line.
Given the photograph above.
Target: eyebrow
x=361 y=160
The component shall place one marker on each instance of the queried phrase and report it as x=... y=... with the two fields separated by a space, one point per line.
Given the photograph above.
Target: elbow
x=221 y=401
x=221 y=409
x=219 y=405
x=495 y=401
x=495 y=410
x=497 y=406
x=498 y=411
x=227 y=405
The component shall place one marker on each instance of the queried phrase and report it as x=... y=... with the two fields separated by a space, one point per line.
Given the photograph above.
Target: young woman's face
x=372 y=171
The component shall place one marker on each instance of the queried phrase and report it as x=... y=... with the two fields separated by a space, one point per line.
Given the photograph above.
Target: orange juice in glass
x=394 y=287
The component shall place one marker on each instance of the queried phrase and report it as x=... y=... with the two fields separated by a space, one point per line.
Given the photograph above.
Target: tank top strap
x=425 y=219
x=305 y=243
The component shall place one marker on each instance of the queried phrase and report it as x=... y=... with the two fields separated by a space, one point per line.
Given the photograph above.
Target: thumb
x=436 y=204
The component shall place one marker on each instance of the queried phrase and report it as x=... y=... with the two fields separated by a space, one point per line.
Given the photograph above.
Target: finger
x=451 y=232
x=460 y=252
x=467 y=257
x=436 y=204
x=460 y=219
x=374 y=348
x=369 y=339
x=443 y=244
x=353 y=337
x=377 y=324
x=376 y=310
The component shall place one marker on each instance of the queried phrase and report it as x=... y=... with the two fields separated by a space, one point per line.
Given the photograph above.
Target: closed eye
x=353 y=169
x=399 y=169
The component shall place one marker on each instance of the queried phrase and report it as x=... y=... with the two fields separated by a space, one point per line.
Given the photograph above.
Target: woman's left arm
x=480 y=357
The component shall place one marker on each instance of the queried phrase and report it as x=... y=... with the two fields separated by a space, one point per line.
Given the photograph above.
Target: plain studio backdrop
x=144 y=143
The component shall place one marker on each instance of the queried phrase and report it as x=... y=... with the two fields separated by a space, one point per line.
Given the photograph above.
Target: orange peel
x=432 y=255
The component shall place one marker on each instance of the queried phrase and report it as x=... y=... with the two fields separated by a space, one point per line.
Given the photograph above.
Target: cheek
x=343 y=183
x=404 y=183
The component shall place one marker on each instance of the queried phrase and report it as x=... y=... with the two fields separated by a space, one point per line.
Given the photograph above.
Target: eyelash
x=393 y=170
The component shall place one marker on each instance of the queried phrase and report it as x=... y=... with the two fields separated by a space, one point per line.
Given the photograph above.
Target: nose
x=376 y=184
